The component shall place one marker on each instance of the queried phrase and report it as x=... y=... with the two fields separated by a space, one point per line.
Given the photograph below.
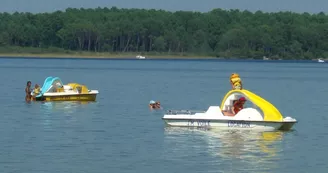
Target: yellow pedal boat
x=54 y=90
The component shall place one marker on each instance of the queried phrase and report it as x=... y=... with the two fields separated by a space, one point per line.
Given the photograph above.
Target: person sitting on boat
x=28 y=95
x=36 y=91
x=238 y=105
x=235 y=81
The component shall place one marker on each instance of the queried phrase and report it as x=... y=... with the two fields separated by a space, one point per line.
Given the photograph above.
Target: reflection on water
x=243 y=144
x=67 y=108
x=257 y=150
x=50 y=110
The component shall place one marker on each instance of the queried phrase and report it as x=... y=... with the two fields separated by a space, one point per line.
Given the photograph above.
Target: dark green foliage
x=220 y=33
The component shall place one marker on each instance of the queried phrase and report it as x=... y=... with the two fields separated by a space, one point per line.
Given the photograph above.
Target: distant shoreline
x=98 y=56
x=127 y=56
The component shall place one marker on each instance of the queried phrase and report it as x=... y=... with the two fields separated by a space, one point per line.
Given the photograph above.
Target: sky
x=299 y=6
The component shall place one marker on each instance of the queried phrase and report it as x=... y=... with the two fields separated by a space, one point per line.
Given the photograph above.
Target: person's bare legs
x=227 y=113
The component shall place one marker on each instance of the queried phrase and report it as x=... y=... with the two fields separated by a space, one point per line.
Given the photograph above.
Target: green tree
x=233 y=33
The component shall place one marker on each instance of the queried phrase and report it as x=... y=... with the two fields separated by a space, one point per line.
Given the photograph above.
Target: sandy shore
x=96 y=55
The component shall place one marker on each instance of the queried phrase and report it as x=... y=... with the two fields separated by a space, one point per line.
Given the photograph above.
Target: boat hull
x=230 y=124
x=71 y=97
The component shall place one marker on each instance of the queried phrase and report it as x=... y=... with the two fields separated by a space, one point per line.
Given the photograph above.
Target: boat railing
x=187 y=112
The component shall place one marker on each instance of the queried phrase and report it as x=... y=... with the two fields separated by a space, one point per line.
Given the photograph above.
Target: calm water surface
x=118 y=133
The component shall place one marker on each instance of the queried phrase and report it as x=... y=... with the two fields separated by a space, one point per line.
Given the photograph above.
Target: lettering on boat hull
x=89 y=97
x=239 y=124
x=199 y=123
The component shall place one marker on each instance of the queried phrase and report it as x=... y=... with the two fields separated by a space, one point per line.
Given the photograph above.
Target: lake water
x=118 y=133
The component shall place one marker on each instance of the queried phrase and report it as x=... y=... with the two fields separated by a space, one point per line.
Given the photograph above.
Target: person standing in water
x=28 y=95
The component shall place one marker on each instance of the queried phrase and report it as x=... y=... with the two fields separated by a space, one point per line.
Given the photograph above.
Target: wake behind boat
x=54 y=90
x=263 y=117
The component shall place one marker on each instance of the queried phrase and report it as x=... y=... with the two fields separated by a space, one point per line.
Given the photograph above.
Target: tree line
x=221 y=33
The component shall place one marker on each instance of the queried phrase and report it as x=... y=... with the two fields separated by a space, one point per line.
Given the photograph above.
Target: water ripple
x=118 y=133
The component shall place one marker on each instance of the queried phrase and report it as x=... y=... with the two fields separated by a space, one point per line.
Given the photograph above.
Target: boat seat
x=60 y=89
x=67 y=87
x=229 y=102
x=227 y=108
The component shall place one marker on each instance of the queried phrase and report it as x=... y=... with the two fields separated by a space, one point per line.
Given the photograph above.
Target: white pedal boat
x=263 y=116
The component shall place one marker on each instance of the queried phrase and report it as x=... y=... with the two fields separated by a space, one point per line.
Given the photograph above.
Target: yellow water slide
x=271 y=113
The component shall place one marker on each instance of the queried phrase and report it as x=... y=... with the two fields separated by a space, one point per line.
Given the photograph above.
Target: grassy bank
x=61 y=53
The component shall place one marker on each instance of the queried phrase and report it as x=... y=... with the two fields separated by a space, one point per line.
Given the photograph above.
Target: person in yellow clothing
x=36 y=91
x=235 y=81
